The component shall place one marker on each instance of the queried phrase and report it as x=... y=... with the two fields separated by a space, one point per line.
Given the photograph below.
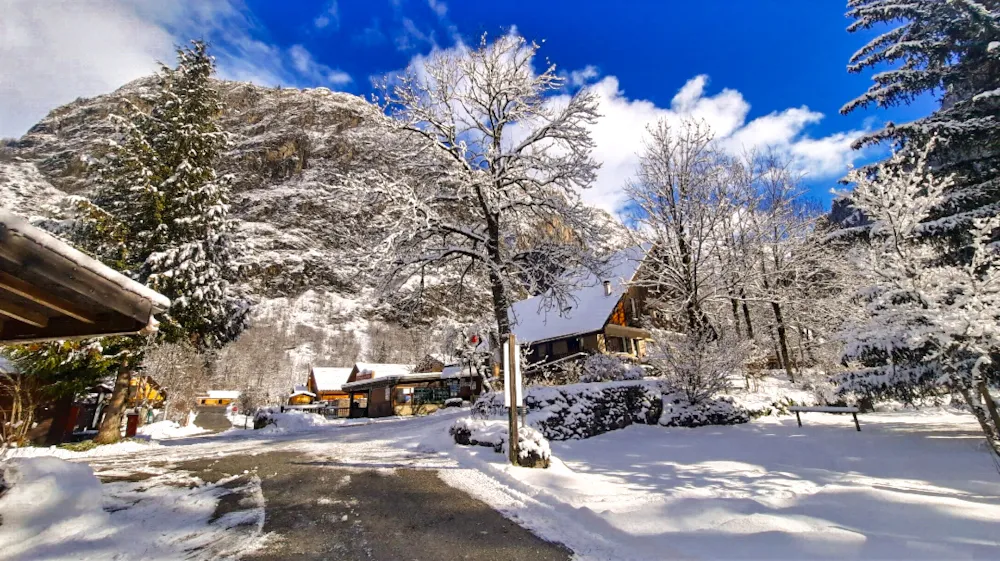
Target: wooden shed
x=51 y=291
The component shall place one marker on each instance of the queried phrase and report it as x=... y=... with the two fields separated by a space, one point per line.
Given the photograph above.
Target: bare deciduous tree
x=181 y=372
x=497 y=159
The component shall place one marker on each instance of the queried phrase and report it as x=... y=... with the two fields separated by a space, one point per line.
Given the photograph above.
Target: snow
x=59 y=510
x=589 y=307
x=384 y=370
x=914 y=485
x=168 y=429
x=223 y=394
x=117 y=449
x=329 y=379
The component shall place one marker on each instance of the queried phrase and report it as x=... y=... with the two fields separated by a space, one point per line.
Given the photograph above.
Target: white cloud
x=329 y=17
x=53 y=52
x=303 y=61
x=439 y=7
x=620 y=131
x=583 y=76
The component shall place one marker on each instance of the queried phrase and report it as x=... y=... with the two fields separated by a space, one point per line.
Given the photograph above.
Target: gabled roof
x=589 y=306
x=330 y=379
x=381 y=370
x=300 y=389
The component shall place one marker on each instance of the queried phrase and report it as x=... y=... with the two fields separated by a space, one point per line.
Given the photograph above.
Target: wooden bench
x=823 y=409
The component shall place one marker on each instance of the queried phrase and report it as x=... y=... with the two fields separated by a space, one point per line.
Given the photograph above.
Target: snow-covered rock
x=678 y=412
x=533 y=448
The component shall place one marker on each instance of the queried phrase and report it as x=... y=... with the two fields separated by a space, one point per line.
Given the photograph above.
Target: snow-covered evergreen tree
x=166 y=221
x=931 y=324
x=951 y=48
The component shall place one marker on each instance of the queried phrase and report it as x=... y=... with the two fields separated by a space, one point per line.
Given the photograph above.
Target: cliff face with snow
x=285 y=144
x=287 y=149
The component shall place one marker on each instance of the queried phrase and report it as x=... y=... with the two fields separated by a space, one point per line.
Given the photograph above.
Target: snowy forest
x=417 y=218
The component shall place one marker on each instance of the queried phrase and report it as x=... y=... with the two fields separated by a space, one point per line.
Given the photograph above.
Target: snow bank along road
x=911 y=486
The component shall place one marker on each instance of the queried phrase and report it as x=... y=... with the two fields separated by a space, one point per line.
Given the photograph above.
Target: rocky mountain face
x=287 y=149
x=286 y=145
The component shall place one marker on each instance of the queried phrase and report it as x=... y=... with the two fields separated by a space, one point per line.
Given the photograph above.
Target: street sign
x=509 y=356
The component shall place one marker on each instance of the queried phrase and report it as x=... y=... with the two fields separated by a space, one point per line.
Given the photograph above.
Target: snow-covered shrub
x=699 y=366
x=606 y=368
x=533 y=448
x=679 y=412
x=582 y=410
x=453 y=402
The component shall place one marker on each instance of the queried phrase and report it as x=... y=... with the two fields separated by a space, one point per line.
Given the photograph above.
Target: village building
x=218 y=398
x=383 y=390
x=326 y=382
x=601 y=315
x=301 y=396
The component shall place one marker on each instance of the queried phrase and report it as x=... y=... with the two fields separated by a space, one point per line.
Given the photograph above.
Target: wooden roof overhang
x=51 y=291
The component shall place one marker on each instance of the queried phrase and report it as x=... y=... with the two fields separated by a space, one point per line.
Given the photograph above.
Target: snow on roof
x=589 y=307
x=223 y=394
x=330 y=379
x=384 y=370
x=46 y=241
x=300 y=389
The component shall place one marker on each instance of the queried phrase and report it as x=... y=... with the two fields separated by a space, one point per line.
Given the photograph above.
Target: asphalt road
x=318 y=510
x=212 y=418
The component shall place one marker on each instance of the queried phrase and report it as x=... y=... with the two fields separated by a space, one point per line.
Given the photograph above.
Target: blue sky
x=762 y=73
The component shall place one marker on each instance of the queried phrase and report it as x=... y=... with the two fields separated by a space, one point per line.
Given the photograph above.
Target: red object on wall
x=132 y=425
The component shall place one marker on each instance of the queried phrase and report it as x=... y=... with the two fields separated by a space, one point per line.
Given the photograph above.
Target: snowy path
x=914 y=486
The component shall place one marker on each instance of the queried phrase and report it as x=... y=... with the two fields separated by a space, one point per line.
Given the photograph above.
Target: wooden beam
x=10 y=283
x=23 y=314
x=77 y=279
x=64 y=328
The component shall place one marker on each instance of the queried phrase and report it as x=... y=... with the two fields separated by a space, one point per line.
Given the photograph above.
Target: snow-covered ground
x=911 y=485
x=59 y=510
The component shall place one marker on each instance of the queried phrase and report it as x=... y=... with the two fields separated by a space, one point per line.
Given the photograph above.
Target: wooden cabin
x=325 y=382
x=601 y=315
x=218 y=398
x=301 y=396
x=143 y=390
x=383 y=390
x=51 y=291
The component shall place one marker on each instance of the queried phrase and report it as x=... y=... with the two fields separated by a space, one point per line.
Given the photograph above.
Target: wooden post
x=799 y=419
x=856 y=424
x=512 y=390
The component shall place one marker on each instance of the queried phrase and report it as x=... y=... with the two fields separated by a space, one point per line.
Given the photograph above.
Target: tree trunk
x=991 y=405
x=746 y=315
x=736 y=317
x=110 y=431
x=992 y=438
x=783 y=341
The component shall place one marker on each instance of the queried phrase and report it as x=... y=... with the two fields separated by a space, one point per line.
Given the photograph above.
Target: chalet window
x=574 y=345
x=614 y=344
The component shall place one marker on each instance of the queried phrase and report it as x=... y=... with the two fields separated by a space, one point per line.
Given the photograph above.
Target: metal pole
x=511 y=378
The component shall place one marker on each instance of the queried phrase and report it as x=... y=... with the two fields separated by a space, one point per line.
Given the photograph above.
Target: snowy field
x=915 y=485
